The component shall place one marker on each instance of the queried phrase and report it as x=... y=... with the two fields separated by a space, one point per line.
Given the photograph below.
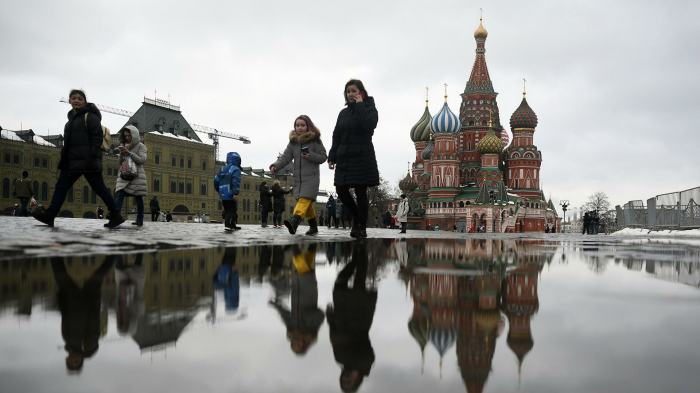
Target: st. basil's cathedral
x=466 y=174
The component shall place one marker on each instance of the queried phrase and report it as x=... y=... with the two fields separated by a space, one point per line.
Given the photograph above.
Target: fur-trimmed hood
x=306 y=137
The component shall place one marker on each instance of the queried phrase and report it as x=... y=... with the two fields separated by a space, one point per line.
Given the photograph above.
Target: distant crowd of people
x=591 y=222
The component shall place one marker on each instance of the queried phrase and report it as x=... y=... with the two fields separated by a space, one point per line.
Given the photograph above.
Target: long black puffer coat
x=82 y=151
x=352 y=150
x=278 y=193
x=265 y=198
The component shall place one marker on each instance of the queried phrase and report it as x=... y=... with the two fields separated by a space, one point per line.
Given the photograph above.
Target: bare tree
x=598 y=201
x=380 y=197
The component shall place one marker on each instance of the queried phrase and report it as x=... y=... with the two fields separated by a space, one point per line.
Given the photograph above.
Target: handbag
x=128 y=171
x=33 y=202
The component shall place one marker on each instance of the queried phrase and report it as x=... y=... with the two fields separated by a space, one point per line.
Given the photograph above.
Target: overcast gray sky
x=615 y=84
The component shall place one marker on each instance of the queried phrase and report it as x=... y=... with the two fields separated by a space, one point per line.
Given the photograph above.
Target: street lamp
x=492 y=197
x=564 y=205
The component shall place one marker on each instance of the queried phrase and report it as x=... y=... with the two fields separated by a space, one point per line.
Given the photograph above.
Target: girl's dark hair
x=357 y=83
x=76 y=91
x=309 y=124
x=263 y=183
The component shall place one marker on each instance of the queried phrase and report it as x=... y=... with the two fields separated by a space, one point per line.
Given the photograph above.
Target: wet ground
x=187 y=308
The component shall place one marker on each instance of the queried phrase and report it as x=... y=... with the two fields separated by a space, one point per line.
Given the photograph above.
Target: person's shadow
x=80 y=311
x=350 y=319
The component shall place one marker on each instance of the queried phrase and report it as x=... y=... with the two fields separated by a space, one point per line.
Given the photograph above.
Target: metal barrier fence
x=675 y=210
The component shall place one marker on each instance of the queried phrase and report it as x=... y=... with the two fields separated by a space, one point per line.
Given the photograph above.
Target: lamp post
x=564 y=205
x=492 y=197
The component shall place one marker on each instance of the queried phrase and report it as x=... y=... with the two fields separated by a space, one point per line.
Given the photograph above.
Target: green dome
x=421 y=130
x=490 y=144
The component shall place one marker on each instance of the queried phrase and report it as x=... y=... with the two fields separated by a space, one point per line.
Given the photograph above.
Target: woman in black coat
x=352 y=154
x=81 y=155
x=279 y=204
x=265 y=202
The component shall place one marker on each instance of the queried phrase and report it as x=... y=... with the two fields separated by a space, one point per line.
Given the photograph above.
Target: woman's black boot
x=293 y=223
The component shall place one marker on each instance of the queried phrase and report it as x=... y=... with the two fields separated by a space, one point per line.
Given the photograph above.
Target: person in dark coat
x=23 y=189
x=226 y=280
x=81 y=155
x=155 y=208
x=80 y=311
x=278 y=193
x=100 y=212
x=330 y=211
x=352 y=153
x=228 y=184
x=586 y=223
x=265 y=203
x=169 y=217
x=350 y=319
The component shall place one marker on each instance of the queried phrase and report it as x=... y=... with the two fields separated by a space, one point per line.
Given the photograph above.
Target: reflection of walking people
x=155 y=208
x=228 y=184
x=305 y=318
x=22 y=188
x=80 y=311
x=352 y=154
x=81 y=155
x=265 y=203
x=226 y=279
x=128 y=183
x=130 y=301
x=279 y=204
x=350 y=319
x=402 y=213
x=306 y=150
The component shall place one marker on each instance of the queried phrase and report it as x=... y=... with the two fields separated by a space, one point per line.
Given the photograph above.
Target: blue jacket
x=330 y=206
x=228 y=181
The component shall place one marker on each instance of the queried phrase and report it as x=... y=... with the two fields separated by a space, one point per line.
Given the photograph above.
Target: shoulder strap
x=86 y=120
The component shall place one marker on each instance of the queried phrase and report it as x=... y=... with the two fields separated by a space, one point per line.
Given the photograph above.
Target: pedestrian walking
x=376 y=221
x=586 y=223
x=130 y=182
x=169 y=217
x=81 y=155
x=330 y=210
x=278 y=193
x=595 y=221
x=22 y=188
x=340 y=213
x=228 y=184
x=100 y=212
x=352 y=153
x=546 y=228
x=307 y=152
x=155 y=208
x=265 y=203
x=402 y=213
x=321 y=220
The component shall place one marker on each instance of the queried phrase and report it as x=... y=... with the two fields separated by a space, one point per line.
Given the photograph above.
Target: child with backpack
x=306 y=150
x=228 y=184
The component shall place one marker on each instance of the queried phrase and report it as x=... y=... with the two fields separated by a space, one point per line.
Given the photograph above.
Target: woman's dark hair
x=403 y=196
x=357 y=83
x=309 y=124
x=263 y=183
x=76 y=91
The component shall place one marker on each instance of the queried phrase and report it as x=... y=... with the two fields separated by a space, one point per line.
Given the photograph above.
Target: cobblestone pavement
x=22 y=237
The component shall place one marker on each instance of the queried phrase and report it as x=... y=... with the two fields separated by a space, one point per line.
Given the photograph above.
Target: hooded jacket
x=82 y=145
x=402 y=211
x=265 y=198
x=228 y=181
x=352 y=150
x=307 y=176
x=138 y=153
x=278 y=193
x=22 y=188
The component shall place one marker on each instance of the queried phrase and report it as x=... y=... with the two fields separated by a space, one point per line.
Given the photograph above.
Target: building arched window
x=157 y=159
x=189 y=188
x=189 y=164
x=182 y=163
x=174 y=161
x=86 y=194
x=5 y=188
x=36 y=187
x=173 y=187
x=449 y=204
x=461 y=203
x=156 y=185
x=255 y=206
x=444 y=204
x=181 y=188
x=204 y=165
x=203 y=189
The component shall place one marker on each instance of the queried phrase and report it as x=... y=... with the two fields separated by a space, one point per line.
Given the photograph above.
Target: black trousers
x=154 y=215
x=358 y=210
x=231 y=209
x=263 y=216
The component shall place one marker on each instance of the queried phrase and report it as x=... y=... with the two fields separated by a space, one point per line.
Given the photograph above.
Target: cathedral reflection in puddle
x=329 y=311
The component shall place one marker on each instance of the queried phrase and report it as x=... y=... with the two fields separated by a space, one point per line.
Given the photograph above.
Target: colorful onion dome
x=445 y=121
x=421 y=130
x=428 y=151
x=419 y=331
x=524 y=116
x=442 y=338
x=407 y=185
x=504 y=137
x=480 y=32
x=490 y=144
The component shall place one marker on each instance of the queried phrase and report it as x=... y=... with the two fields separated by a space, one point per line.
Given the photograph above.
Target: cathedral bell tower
x=523 y=159
x=444 y=166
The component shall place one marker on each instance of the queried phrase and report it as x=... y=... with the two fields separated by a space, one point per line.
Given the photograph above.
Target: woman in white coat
x=133 y=185
x=402 y=213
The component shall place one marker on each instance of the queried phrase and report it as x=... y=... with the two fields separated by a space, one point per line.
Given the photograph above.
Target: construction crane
x=212 y=133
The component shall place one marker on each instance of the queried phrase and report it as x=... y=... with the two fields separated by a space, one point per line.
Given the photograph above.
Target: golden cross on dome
x=524 y=80
x=427 y=90
x=445 y=92
x=481 y=13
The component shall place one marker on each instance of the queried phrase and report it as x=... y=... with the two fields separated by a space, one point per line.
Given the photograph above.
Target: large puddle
x=375 y=316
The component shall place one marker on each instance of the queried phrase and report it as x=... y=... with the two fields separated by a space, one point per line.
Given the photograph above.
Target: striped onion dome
x=524 y=116
x=419 y=331
x=445 y=121
x=490 y=144
x=428 y=151
x=442 y=338
x=421 y=130
x=504 y=137
x=408 y=185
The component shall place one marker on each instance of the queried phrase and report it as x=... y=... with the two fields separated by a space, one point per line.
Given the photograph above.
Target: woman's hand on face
x=331 y=165
x=358 y=97
x=305 y=156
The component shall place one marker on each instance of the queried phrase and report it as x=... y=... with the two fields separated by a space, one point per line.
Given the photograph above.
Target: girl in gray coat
x=306 y=150
x=131 y=147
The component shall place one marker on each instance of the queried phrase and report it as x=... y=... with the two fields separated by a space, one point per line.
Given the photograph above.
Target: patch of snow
x=647 y=232
x=5 y=134
x=41 y=141
x=169 y=135
x=205 y=138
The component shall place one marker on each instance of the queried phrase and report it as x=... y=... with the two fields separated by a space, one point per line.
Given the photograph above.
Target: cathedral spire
x=479 y=80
